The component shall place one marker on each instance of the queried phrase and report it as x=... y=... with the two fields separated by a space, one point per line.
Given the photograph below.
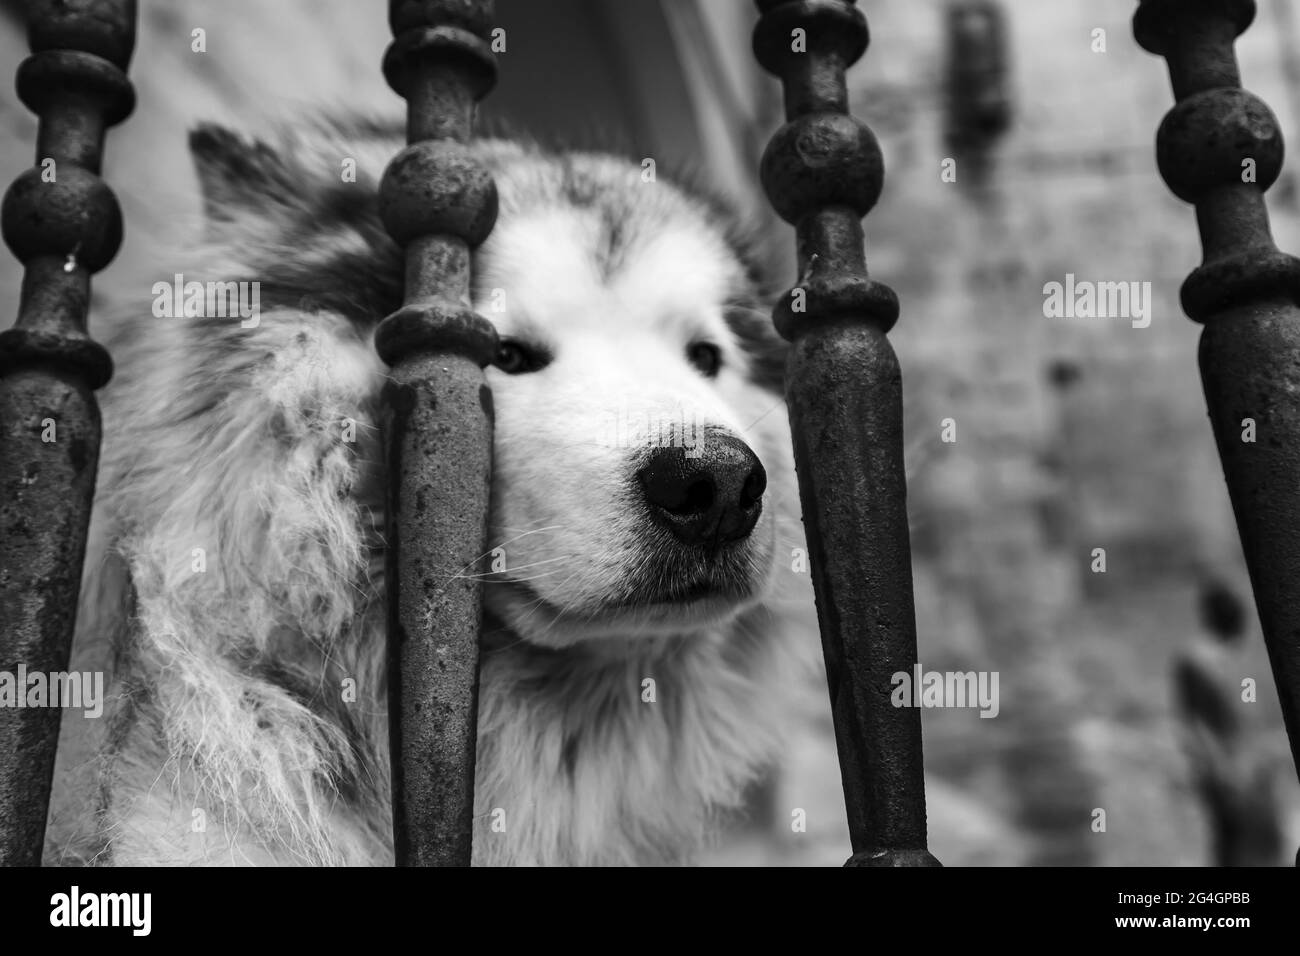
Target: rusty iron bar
x=439 y=203
x=63 y=224
x=823 y=172
x=1220 y=148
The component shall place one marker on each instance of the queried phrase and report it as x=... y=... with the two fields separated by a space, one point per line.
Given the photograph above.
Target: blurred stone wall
x=1072 y=434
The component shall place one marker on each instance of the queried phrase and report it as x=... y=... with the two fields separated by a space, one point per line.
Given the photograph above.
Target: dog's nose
x=711 y=499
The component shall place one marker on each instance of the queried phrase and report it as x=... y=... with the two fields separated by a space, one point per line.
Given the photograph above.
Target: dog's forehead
x=584 y=238
x=561 y=260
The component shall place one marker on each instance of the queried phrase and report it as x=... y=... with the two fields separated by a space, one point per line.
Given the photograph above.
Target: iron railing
x=823 y=172
x=63 y=224
x=439 y=203
x=1220 y=148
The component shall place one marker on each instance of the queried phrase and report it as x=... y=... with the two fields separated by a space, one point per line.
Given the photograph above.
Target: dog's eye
x=706 y=357
x=516 y=358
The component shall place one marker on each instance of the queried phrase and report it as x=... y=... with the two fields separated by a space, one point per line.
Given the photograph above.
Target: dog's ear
x=238 y=175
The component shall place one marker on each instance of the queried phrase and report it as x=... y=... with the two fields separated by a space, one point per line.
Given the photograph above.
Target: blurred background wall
x=1071 y=435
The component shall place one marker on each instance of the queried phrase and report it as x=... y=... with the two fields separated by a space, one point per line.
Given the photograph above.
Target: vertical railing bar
x=438 y=202
x=823 y=172
x=63 y=224
x=1220 y=148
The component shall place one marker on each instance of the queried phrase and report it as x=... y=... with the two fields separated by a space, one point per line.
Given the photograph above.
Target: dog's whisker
x=460 y=574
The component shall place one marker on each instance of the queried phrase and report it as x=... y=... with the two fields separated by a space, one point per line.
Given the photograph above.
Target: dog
x=643 y=626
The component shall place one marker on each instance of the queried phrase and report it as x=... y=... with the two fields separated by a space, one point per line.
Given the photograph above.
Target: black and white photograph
x=653 y=433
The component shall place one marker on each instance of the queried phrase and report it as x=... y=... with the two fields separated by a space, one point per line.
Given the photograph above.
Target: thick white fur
x=231 y=442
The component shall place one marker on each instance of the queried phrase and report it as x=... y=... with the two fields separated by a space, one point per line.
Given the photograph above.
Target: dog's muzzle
x=709 y=500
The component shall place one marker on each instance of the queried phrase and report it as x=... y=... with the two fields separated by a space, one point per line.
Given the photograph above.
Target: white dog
x=635 y=654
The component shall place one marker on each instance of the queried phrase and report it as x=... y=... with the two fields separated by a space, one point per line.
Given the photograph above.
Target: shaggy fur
x=234 y=585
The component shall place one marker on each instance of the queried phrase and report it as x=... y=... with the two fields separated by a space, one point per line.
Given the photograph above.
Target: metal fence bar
x=439 y=203
x=1220 y=148
x=63 y=224
x=823 y=172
